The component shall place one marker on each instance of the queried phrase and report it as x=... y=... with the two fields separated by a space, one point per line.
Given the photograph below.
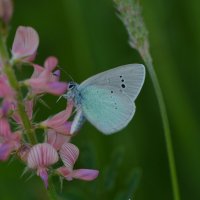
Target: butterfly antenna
x=66 y=73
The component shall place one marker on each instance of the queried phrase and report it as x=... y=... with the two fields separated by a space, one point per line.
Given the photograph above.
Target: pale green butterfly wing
x=107 y=99
x=127 y=79
x=106 y=108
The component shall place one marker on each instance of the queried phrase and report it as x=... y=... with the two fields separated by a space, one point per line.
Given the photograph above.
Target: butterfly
x=107 y=99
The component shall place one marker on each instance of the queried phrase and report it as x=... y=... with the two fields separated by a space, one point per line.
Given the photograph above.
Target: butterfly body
x=107 y=99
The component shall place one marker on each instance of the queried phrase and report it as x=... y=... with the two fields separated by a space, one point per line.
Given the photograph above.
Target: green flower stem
x=148 y=61
x=8 y=70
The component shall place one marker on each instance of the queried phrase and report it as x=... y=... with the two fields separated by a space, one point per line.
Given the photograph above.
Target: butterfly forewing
x=127 y=79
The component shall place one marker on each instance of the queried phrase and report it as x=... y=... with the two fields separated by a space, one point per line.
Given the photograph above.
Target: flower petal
x=5 y=150
x=69 y=154
x=4 y=127
x=59 y=122
x=50 y=63
x=42 y=172
x=56 y=139
x=56 y=75
x=64 y=171
x=37 y=71
x=25 y=43
x=85 y=174
x=42 y=155
x=56 y=88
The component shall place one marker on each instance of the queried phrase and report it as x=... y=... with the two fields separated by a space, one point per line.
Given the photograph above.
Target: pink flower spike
x=56 y=139
x=69 y=154
x=40 y=157
x=25 y=43
x=6 y=10
x=84 y=174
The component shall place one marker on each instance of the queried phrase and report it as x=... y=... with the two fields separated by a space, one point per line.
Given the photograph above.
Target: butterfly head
x=71 y=85
x=72 y=91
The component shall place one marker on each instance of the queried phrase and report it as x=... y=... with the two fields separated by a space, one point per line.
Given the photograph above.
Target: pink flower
x=56 y=139
x=25 y=44
x=40 y=157
x=44 y=80
x=6 y=10
x=59 y=121
x=69 y=154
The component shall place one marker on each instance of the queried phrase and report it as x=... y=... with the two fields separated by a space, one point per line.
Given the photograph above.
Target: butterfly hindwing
x=106 y=108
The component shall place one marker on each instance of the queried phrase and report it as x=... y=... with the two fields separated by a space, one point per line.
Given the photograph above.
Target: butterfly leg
x=78 y=122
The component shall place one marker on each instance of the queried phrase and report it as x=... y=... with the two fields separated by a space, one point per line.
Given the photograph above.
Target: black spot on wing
x=123 y=85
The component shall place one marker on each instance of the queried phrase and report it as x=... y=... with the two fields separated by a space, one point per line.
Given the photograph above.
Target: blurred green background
x=88 y=38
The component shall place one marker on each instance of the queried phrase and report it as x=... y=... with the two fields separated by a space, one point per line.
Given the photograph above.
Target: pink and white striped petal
x=25 y=43
x=56 y=139
x=69 y=154
x=42 y=156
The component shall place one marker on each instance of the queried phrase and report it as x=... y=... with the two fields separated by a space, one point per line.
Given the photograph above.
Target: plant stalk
x=170 y=152
x=8 y=70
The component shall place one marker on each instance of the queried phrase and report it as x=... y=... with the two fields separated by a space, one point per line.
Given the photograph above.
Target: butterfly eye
x=71 y=85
